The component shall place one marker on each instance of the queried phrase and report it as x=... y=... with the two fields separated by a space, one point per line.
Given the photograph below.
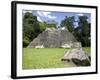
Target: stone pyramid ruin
x=62 y=38
x=54 y=38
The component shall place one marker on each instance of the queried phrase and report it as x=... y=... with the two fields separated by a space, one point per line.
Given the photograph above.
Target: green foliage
x=42 y=26
x=26 y=41
x=83 y=31
x=68 y=22
x=31 y=28
x=51 y=24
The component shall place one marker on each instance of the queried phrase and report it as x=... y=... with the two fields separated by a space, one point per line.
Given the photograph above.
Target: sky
x=57 y=16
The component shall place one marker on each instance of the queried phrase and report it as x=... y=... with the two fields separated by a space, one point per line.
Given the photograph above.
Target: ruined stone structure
x=77 y=56
x=54 y=38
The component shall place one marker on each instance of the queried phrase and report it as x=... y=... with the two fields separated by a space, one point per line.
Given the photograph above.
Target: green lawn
x=87 y=50
x=44 y=58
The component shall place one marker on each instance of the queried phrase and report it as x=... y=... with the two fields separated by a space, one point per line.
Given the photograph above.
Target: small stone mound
x=77 y=56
